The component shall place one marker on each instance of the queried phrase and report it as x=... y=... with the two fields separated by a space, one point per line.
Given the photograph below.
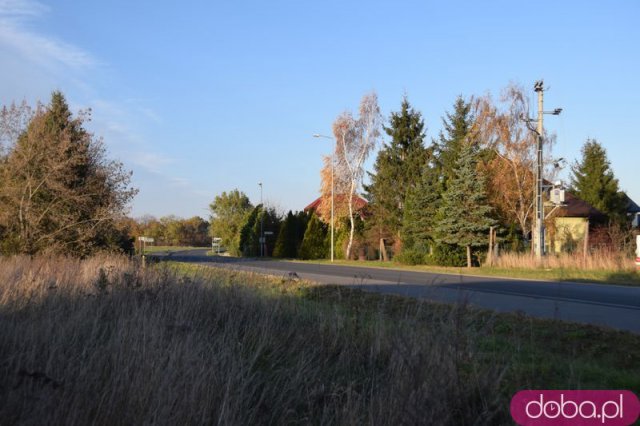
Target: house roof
x=576 y=207
x=632 y=207
x=358 y=202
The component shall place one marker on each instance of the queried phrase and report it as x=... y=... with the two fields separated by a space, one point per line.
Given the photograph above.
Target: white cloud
x=178 y=182
x=112 y=120
x=44 y=50
x=151 y=161
x=21 y=8
x=150 y=114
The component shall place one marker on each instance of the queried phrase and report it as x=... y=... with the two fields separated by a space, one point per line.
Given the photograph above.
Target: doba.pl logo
x=571 y=407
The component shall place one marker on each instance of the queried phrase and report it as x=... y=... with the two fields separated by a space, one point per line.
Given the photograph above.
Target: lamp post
x=332 y=165
x=261 y=223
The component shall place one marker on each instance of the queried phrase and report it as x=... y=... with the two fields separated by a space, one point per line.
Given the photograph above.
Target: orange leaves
x=340 y=187
x=502 y=129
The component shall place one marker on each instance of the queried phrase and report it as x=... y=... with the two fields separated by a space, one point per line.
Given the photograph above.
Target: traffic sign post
x=144 y=240
x=215 y=244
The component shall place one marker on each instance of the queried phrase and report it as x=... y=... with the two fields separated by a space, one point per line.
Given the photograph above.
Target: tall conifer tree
x=314 y=245
x=396 y=169
x=59 y=192
x=420 y=212
x=594 y=182
x=457 y=126
x=464 y=215
x=287 y=242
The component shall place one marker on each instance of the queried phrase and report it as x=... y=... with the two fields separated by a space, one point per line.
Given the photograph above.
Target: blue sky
x=203 y=97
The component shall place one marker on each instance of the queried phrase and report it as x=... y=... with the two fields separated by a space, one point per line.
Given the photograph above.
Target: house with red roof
x=359 y=205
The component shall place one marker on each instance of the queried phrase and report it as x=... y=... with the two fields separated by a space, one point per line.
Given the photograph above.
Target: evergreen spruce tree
x=423 y=199
x=260 y=218
x=396 y=168
x=287 y=242
x=270 y=222
x=314 y=245
x=302 y=220
x=420 y=214
x=464 y=215
x=249 y=244
x=451 y=141
x=594 y=182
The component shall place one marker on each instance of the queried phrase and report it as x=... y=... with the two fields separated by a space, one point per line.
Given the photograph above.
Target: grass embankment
x=600 y=268
x=102 y=341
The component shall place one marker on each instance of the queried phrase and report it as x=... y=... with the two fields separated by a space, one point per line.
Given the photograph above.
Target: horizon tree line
x=431 y=203
x=428 y=201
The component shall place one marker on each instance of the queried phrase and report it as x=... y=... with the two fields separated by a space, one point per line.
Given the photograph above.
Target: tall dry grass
x=103 y=342
x=604 y=260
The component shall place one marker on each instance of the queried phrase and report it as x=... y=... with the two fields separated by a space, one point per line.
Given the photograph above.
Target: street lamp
x=332 y=161
x=261 y=223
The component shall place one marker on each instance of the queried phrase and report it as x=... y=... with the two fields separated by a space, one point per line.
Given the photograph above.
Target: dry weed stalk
x=606 y=260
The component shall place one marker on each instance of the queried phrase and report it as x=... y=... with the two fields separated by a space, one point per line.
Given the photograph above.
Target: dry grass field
x=104 y=342
x=604 y=260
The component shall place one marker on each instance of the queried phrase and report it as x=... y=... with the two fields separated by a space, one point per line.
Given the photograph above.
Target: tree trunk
x=349 y=246
x=490 y=251
x=352 y=222
x=585 y=248
x=468 y=256
x=383 y=251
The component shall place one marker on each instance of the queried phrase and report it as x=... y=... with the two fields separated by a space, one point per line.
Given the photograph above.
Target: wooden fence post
x=585 y=249
x=491 y=243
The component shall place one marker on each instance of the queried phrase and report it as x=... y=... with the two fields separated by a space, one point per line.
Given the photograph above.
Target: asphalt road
x=599 y=304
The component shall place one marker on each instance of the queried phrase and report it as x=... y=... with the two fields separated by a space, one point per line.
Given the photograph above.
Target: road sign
x=145 y=239
x=268 y=233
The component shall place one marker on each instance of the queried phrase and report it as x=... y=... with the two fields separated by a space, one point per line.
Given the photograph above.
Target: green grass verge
x=215 y=253
x=169 y=249
x=540 y=353
x=577 y=275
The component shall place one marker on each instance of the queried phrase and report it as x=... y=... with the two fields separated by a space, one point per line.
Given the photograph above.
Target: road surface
x=599 y=304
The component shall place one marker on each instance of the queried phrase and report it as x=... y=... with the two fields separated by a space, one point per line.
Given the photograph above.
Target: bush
x=411 y=257
x=448 y=255
x=315 y=243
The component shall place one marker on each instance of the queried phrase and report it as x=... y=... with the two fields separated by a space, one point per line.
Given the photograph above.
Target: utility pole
x=539 y=235
x=538 y=230
x=332 y=214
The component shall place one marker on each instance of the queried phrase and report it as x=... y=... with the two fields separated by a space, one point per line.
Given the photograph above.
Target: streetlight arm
x=317 y=135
